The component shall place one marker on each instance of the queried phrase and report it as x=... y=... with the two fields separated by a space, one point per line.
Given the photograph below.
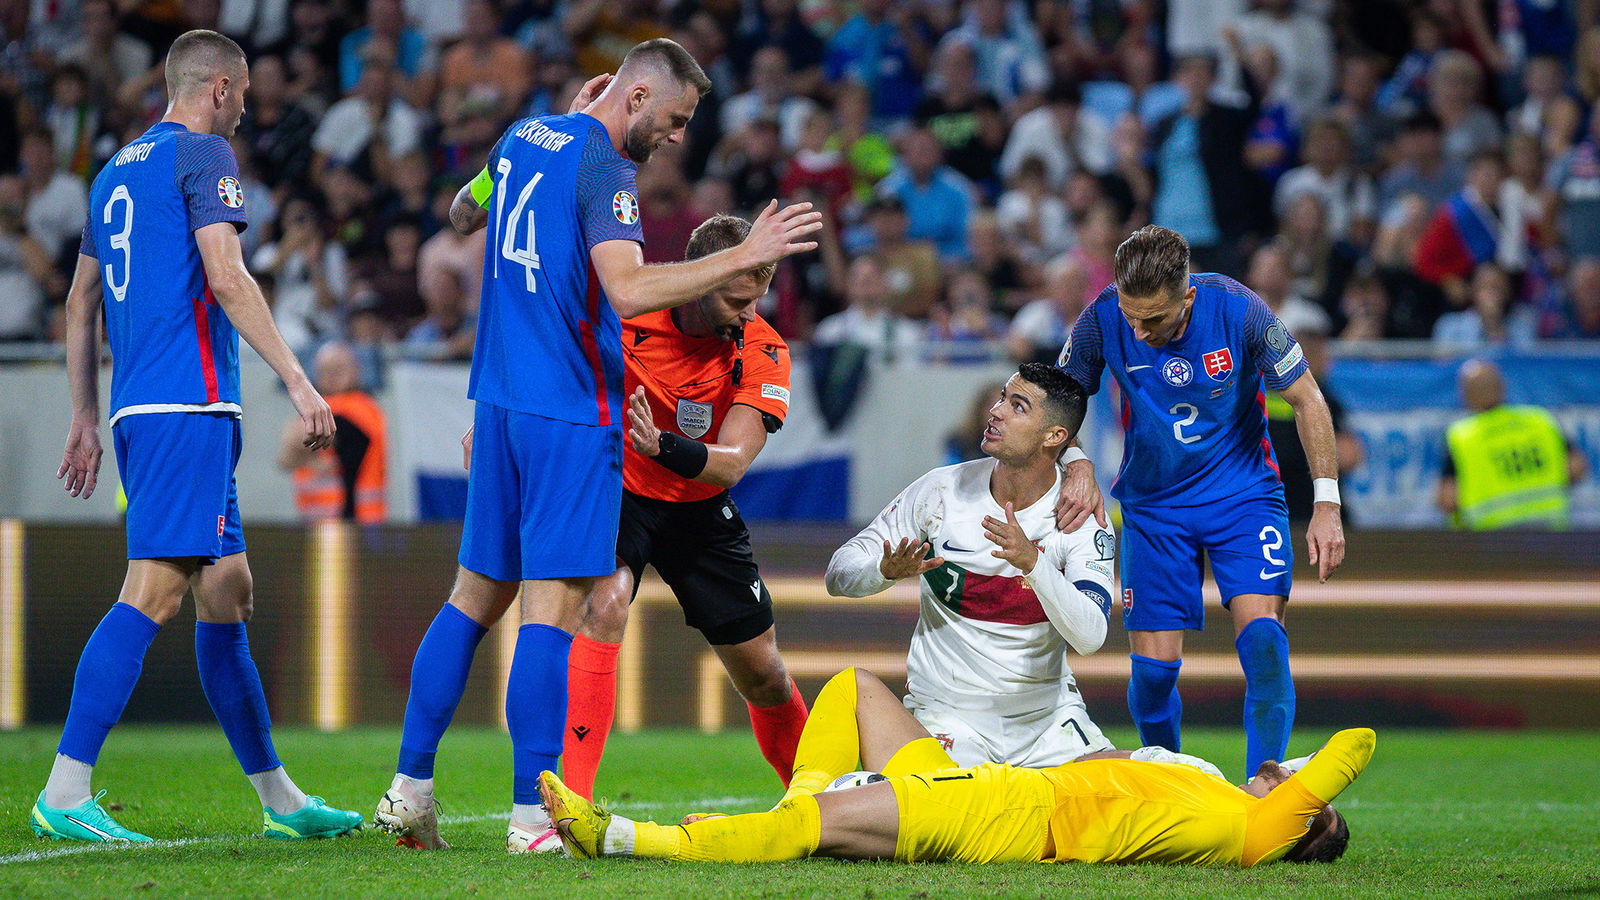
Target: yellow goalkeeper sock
x=830 y=745
x=921 y=755
x=1281 y=818
x=790 y=831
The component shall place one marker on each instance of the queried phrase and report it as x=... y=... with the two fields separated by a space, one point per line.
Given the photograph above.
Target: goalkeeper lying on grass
x=1107 y=807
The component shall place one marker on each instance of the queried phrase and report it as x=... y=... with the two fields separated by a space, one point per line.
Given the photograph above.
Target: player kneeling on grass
x=1105 y=808
x=1004 y=588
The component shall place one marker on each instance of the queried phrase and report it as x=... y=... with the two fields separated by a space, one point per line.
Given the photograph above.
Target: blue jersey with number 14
x=548 y=341
x=1193 y=411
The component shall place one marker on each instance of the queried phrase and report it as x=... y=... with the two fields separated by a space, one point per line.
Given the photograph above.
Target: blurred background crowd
x=1375 y=169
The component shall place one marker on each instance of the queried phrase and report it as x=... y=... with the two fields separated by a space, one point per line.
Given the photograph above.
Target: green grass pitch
x=1437 y=815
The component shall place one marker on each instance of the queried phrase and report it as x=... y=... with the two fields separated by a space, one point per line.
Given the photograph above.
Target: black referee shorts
x=701 y=549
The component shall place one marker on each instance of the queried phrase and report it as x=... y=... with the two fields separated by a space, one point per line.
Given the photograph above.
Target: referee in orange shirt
x=707 y=382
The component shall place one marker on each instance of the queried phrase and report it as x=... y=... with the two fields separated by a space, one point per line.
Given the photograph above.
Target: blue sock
x=233 y=688
x=438 y=678
x=536 y=706
x=1268 y=691
x=107 y=672
x=1154 y=702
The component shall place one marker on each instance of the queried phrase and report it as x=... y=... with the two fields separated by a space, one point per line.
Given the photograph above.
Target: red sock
x=778 y=730
x=591 y=705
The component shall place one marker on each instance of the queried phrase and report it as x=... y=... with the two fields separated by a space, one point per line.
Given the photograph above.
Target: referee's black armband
x=681 y=456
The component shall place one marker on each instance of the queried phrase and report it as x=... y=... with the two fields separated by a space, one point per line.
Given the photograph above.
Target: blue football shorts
x=1164 y=549
x=543 y=497
x=177 y=470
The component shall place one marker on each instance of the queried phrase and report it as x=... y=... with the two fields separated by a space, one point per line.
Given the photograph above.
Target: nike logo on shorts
x=1267 y=576
x=1133 y=368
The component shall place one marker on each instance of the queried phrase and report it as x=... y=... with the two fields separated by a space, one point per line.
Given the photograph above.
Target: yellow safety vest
x=1511 y=469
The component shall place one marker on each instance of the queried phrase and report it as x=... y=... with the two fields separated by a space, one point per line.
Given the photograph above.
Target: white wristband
x=1325 y=490
x=1072 y=455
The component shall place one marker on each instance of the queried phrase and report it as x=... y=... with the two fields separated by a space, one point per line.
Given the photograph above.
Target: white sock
x=414 y=788
x=1296 y=764
x=277 y=792
x=69 y=783
x=531 y=814
x=619 y=837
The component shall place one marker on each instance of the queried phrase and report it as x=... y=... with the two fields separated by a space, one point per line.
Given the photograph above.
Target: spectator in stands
x=1303 y=44
x=57 y=202
x=1032 y=217
x=392 y=278
x=1203 y=189
x=1348 y=198
x=1365 y=308
x=277 y=130
x=1478 y=489
x=910 y=265
x=1318 y=264
x=347 y=480
x=1098 y=236
x=307 y=275
x=1356 y=105
x=963 y=329
x=73 y=119
x=818 y=166
x=1575 y=180
x=408 y=195
x=484 y=70
x=1547 y=111
x=962 y=443
x=1576 y=315
x=370 y=126
x=107 y=55
x=1062 y=134
x=1270 y=277
x=1137 y=89
x=996 y=260
x=966 y=120
x=1464 y=231
x=665 y=211
x=318 y=31
x=751 y=161
x=1422 y=166
x=1586 y=64
x=1455 y=84
x=1274 y=142
x=1042 y=326
x=1526 y=206
x=771 y=95
x=1490 y=319
x=404 y=47
x=867 y=151
x=867 y=320
x=880 y=48
x=601 y=31
x=27 y=276
x=1010 y=58
x=1414 y=303
x=778 y=23
x=936 y=197
x=449 y=329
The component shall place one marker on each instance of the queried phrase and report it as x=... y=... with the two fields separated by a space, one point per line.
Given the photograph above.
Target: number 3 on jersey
x=524 y=256
x=119 y=241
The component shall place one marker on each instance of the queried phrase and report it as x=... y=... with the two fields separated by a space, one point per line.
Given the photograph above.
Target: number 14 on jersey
x=524 y=256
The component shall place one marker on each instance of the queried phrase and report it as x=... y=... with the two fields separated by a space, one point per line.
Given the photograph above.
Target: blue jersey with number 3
x=1193 y=411
x=548 y=341
x=173 y=348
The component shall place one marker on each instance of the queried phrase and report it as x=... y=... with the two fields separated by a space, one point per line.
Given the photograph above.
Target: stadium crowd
x=979 y=160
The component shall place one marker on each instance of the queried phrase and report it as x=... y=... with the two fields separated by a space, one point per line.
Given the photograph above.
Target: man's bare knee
x=606 y=619
x=766 y=688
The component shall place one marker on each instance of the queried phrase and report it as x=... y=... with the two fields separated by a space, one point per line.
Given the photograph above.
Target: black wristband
x=681 y=456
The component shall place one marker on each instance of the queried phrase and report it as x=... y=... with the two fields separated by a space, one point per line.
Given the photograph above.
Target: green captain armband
x=482 y=188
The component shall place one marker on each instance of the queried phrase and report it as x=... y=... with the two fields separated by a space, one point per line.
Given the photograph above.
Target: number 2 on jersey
x=1177 y=427
x=524 y=256
x=119 y=241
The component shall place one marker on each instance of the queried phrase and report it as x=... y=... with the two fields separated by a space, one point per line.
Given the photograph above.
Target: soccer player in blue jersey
x=160 y=254
x=563 y=261
x=1193 y=355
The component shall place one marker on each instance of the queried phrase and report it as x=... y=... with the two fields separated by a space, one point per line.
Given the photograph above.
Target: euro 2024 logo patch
x=625 y=207
x=229 y=191
x=1177 y=371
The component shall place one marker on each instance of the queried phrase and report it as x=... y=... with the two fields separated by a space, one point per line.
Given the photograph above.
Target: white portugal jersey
x=990 y=637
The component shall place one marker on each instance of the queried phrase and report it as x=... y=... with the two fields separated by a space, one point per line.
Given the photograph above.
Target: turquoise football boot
x=86 y=822
x=314 y=820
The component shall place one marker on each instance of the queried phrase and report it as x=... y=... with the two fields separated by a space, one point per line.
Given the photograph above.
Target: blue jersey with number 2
x=173 y=349
x=1193 y=411
x=548 y=341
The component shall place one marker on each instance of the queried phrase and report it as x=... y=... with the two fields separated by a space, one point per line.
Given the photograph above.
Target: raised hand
x=907 y=560
x=779 y=233
x=1015 y=548
x=642 y=430
x=590 y=92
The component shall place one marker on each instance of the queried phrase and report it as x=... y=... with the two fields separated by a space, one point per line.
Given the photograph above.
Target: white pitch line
x=701 y=803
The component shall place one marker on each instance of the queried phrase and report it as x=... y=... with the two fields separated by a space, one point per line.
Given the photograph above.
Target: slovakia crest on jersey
x=1218 y=363
x=229 y=192
x=625 y=207
x=1177 y=371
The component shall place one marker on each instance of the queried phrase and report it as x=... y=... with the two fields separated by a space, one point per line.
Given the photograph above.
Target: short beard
x=636 y=144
